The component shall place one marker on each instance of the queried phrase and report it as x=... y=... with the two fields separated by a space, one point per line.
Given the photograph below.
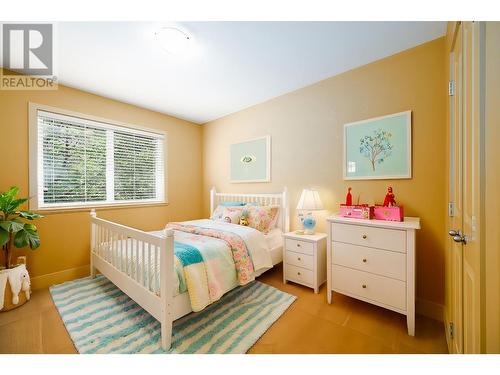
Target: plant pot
x=8 y=297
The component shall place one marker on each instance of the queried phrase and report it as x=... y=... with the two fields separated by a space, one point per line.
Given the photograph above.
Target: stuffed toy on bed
x=244 y=218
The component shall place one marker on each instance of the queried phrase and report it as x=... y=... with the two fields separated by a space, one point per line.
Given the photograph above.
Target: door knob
x=459 y=238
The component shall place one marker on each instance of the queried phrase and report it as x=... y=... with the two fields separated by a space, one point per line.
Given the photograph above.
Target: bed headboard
x=265 y=199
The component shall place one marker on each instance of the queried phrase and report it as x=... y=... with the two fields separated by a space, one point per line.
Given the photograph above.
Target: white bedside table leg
x=316 y=290
x=410 y=322
x=329 y=296
x=410 y=283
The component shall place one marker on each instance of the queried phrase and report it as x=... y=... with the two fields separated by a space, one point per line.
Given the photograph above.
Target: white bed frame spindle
x=105 y=237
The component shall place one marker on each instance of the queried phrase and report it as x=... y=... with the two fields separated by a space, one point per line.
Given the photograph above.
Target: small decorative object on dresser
x=348 y=197
x=374 y=261
x=304 y=258
x=309 y=201
x=389 y=210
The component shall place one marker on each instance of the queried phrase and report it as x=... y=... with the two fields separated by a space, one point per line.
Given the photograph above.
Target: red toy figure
x=348 y=197
x=389 y=200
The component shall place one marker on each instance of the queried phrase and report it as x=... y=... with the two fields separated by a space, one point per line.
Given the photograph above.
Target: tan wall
x=65 y=236
x=306 y=127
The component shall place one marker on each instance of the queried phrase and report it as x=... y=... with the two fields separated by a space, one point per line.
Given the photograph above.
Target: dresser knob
x=298 y=258
x=298 y=273
x=298 y=245
x=364 y=236
x=364 y=260
x=364 y=286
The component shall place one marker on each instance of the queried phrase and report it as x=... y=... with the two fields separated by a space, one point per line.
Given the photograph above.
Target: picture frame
x=378 y=148
x=250 y=160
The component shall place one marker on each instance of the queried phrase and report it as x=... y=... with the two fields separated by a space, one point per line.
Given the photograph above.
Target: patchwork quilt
x=214 y=259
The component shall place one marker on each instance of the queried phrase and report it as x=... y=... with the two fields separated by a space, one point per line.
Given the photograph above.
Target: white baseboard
x=430 y=309
x=44 y=281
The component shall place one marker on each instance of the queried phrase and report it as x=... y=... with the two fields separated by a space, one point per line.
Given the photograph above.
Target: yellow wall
x=64 y=253
x=306 y=127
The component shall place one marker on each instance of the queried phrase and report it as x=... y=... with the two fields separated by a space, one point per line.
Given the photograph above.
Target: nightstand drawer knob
x=298 y=273
x=364 y=286
x=364 y=260
x=298 y=258
x=364 y=236
x=298 y=245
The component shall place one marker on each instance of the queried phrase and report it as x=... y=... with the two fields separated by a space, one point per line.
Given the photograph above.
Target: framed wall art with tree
x=378 y=148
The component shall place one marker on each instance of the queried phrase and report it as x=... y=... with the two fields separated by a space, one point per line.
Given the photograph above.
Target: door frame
x=457 y=343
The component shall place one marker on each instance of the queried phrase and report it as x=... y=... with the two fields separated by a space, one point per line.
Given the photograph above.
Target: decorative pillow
x=262 y=217
x=232 y=214
x=232 y=203
x=217 y=214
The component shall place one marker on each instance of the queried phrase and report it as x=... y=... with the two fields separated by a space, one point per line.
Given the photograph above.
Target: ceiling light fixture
x=174 y=40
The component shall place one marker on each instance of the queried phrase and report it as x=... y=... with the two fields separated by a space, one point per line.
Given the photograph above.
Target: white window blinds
x=83 y=162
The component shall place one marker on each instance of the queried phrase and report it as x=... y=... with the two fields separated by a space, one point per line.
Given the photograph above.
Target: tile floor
x=310 y=325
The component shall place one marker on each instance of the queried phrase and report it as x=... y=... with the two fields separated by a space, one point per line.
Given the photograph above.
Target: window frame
x=35 y=156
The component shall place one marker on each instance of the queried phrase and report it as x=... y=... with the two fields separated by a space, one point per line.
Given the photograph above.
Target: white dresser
x=304 y=258
x=374 y=261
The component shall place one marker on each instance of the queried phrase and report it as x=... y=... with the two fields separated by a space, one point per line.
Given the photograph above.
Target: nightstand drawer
x=299 y=260
x=381 y=238
x=367 y=285
x=299 y=275
x=299 y=246
x=381 y=262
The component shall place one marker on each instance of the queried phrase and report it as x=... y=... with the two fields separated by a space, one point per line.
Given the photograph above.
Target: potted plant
x=16 y=230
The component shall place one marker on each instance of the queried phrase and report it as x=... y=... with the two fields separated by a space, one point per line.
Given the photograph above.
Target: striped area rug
x=100 y=318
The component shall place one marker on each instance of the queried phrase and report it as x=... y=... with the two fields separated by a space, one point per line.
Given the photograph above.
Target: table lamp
x=309 y=201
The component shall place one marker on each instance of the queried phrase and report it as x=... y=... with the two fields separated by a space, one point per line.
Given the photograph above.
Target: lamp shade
x=309 y=200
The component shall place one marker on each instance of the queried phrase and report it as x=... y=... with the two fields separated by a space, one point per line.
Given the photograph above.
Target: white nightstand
x=304 y=259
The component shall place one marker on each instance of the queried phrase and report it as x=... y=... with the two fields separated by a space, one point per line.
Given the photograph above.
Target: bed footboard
x=130 y=259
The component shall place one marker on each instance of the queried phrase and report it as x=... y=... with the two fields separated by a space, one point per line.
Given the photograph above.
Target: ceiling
x=234 y=65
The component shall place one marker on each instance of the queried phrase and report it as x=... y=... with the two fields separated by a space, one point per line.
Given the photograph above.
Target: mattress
x=274 y=238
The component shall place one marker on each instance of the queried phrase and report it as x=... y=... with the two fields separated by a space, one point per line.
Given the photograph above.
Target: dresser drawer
x=381 y=262
x=381 y=238
x=367 y=285
x=299 y=260
x=299 y=246
x=299 y=275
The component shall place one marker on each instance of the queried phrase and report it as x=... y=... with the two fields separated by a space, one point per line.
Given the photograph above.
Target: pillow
x=231 y=214
x=231 y=203
x=217 y=214
x=275 y=220
x=262 y=217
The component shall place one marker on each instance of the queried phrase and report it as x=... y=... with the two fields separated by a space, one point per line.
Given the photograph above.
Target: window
x=84 y=162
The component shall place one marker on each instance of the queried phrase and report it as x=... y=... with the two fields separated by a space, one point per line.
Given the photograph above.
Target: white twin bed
x=143 y=265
